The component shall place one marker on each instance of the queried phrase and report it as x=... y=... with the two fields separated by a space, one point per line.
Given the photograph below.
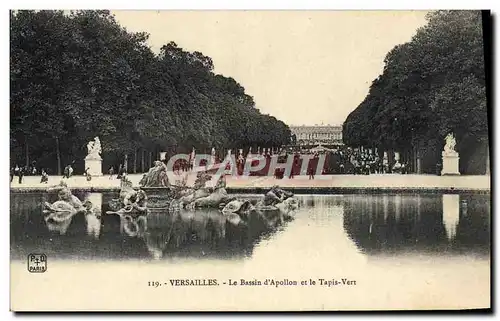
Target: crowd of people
x=120 y=173
x=340 y=160
x=356 y=161
x=29 y=170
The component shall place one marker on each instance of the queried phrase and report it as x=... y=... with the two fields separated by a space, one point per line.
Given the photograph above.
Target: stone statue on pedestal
x=93 y=161
x=450 y=156
x=449 y=147
x=94 y=149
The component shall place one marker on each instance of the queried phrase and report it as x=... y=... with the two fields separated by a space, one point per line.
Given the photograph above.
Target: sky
x=303 y=67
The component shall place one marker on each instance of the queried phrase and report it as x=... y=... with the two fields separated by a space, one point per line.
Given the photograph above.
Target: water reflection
x=429 y=223
x=451 y=215
x=200 y=233
x=372 y=224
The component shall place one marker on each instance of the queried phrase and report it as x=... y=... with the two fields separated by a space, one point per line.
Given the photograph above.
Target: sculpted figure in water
x=276 y=206
x=275 y=196
x=66 y=198
x=218 y=196
x=133 y=213
x=198 y=191
x=156 y=176
x=131 y=202
x=126 y=191
x=59 y=214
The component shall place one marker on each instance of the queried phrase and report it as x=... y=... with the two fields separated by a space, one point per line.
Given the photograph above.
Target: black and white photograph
x=250 y=160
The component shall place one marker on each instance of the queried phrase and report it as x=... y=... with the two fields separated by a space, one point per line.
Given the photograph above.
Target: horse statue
x=217 y=197
x=275 y=207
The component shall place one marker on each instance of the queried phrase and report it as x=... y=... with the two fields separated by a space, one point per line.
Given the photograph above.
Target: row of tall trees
x=431 y=86
x=78 y=75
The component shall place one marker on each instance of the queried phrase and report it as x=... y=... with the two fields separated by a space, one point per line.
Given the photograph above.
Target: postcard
x=249 y=160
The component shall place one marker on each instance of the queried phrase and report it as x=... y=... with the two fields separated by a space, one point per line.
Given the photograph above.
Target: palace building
x=318 y=134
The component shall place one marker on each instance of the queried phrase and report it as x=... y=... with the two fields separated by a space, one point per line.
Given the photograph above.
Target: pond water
x=372 y=225
x=401 y=251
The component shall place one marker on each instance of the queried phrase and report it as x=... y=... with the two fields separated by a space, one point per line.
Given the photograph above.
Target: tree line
x=431 y=86
x=78 y=75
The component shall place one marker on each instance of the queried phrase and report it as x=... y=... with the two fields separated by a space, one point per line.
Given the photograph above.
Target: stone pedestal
x=450 y=163
x=159 y=199
x=94 y=165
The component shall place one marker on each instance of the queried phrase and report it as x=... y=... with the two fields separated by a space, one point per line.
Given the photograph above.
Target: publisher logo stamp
x=37 y=263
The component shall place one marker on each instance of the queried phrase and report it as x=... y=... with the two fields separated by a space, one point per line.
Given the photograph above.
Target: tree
x=429 y=87
x=78 y=75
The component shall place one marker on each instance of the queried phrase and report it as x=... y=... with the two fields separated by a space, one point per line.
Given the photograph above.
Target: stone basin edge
x=295 y=190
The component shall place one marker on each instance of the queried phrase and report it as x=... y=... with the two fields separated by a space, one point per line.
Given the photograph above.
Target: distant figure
x=120 y=168
x=313 y=163
x=192 y=157
x=122 y=171
x=111 y=172
x=291 y=175
x=221 y=182
x=397 y=168
x=240 y=164
x=66 y=172
x=20 y=174
x=439 y=167
x=45 y=177
x=87 y=174
x=70 y=171
x=143 y=179
x=11 y=174
x=177 y=166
